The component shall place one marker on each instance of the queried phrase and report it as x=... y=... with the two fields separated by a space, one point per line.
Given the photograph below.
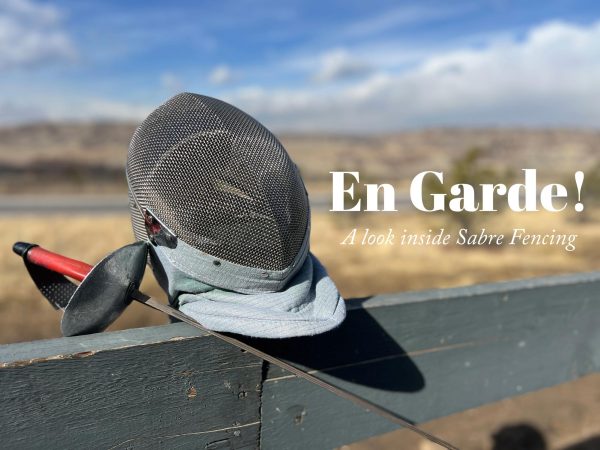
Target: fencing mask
x=227 y=214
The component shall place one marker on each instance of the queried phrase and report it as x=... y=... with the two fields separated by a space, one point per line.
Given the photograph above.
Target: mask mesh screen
x=220 y=181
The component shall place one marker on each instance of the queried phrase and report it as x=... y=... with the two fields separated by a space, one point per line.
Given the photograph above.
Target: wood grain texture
x=184 y=392
x=442 y=352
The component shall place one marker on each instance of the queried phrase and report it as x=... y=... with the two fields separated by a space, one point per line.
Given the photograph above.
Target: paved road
x=79 y=204
x=61 y=204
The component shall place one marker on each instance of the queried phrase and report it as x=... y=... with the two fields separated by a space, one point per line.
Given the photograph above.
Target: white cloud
x=397 y=17
x=113 y=110
x=221 y=75
x=31 y=34
x=25 y=8
x=14 y=113
x=551 y=77
x=340 y=65
x=84 y=109
x=171 y=82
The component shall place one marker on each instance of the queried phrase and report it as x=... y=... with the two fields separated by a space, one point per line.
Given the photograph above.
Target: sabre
x=115 y=290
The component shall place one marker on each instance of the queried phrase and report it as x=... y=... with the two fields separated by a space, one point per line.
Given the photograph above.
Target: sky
x=330 y=66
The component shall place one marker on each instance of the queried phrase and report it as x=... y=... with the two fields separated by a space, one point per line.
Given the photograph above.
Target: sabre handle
x=37 y=255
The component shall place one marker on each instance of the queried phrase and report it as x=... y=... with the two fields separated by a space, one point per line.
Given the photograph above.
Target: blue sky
x=306 y=66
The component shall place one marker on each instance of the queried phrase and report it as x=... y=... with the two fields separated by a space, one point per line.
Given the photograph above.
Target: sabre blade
x=54 y=262
x=363 y=403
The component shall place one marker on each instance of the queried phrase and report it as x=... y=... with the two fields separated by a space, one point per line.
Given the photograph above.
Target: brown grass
x=358 y=271
x=361 y=271
x=24 y=314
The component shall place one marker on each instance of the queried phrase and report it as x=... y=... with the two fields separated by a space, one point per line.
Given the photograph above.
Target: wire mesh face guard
x=203 y=172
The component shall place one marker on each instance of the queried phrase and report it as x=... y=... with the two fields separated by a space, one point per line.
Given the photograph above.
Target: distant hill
x=89 y=157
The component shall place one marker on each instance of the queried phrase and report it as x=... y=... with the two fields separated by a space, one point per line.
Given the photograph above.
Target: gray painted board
x=424 y=355
x=183 y=392
x=438 y=355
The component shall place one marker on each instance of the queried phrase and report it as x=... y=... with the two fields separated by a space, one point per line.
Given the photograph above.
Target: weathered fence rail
x=424 y=355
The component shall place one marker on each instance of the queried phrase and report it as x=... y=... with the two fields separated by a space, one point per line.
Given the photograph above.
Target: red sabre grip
x=72 y=268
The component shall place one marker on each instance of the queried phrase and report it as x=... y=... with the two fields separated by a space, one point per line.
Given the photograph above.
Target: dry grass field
x=358 y=270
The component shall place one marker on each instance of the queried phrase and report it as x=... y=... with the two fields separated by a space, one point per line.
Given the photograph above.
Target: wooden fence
x=424 y=355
